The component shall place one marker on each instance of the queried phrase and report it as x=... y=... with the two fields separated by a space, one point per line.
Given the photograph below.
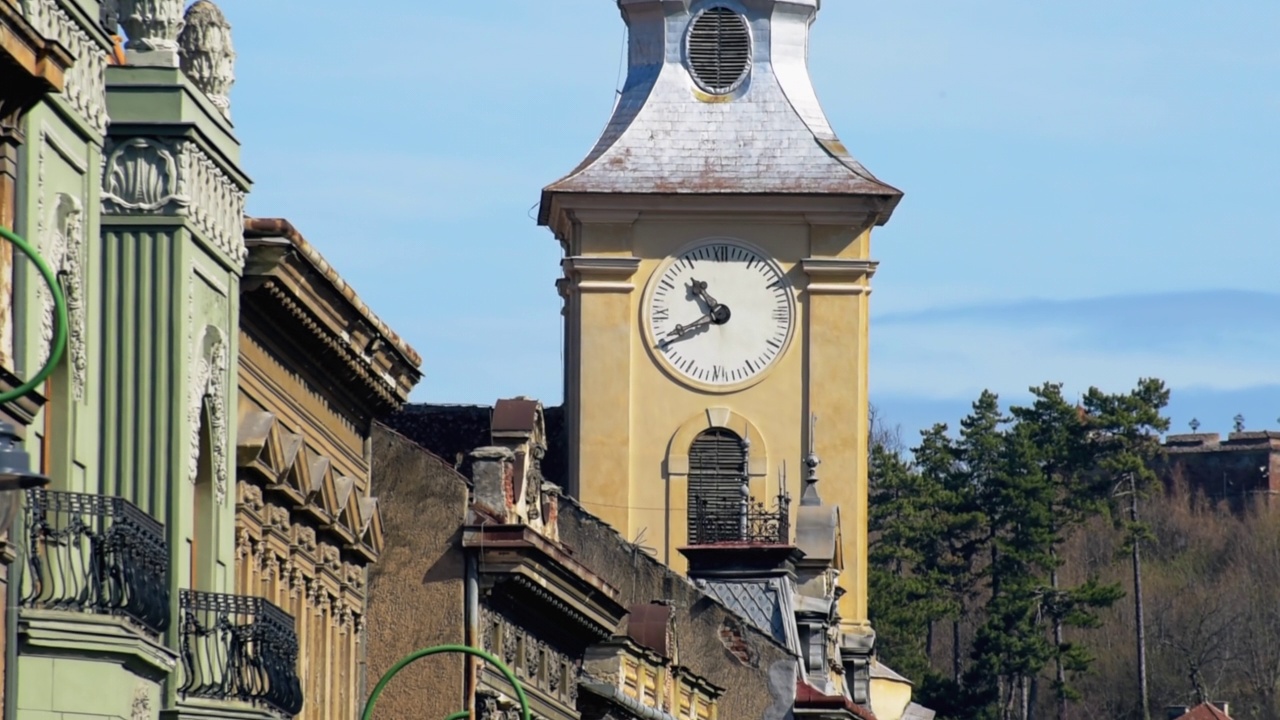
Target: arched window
x=717 y=464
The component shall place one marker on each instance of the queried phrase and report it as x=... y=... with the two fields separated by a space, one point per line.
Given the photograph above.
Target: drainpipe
x=472 y=611
x=363 y=640
x=13 y=578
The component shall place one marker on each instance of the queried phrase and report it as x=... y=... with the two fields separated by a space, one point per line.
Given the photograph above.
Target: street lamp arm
x=418 y=654
x=59 y=319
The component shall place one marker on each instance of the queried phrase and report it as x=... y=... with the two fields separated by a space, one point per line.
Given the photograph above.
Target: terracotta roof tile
x=1205 y=711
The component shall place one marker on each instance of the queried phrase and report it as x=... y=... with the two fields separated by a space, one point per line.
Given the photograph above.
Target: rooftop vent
x=719 y=50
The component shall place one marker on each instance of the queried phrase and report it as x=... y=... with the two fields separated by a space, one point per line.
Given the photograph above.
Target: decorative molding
x=177 y=178
x=600 y=274
x=153 y=27
x=384 y=390
x=86 y=80
x=533 y=659
x=217 y=206
x=60 y=235
x=839 y=276
x=206 y=53
x=142 y=177
x=62 y=242
x=208 y=389
x=708 y=419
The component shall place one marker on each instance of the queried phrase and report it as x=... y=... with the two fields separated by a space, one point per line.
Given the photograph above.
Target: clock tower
x=717 y=267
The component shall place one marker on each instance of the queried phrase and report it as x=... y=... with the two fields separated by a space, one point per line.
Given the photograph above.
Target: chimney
x=493 y=482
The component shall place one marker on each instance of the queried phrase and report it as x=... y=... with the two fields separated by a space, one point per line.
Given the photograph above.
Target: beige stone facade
x=307 y=526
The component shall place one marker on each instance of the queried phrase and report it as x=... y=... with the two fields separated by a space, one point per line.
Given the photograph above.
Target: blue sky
x=1090 y=186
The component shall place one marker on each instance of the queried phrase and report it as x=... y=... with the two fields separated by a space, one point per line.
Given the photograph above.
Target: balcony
x=741 y=523
x=235 y=647
x=739 y=538
x=96 y=554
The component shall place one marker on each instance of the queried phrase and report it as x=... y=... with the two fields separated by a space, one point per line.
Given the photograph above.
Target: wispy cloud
x=1210 y=340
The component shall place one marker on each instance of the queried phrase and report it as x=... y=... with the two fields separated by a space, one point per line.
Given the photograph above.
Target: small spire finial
x=810 y=495
x=1239 y=422
x=1195 y=425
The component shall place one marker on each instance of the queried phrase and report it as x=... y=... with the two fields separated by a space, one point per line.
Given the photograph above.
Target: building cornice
x=839 y=276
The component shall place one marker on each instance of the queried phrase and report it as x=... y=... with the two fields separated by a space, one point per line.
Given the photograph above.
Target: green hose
x=418 y=654
x=59 y=324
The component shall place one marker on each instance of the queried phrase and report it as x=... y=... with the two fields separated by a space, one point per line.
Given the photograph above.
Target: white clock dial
x=720 y=313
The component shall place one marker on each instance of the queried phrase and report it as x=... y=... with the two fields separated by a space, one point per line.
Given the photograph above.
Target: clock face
x=719 y=313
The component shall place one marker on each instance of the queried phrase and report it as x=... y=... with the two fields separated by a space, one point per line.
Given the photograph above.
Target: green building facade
x=130 y=187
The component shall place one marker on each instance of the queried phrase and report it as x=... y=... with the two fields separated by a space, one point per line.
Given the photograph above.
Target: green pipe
x=460 y=715
x=418 y=654
x=59 y=324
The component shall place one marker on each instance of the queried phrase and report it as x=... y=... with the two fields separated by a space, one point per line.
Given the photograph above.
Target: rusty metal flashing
x=516 y=415
x=811 y=699
x=649 y=626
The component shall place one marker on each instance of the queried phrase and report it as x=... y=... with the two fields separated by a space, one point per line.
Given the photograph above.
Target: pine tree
x=1059 y=432
x=1125 y=430
x=905 y=599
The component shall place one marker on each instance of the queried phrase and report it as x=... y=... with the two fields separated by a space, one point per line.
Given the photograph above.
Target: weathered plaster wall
x=711 y=641
x=416 y=589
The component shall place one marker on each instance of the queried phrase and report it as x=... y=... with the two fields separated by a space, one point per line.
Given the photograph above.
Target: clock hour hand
x=699 y=289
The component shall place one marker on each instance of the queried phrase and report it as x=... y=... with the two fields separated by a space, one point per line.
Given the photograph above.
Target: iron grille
x=717 y=466
x=99 y=554
x=236 y=647
x=719 y=49
x=753 y=526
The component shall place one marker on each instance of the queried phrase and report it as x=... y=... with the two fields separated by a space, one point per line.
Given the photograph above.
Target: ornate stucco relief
x=208 y=392
x=142 y=707
x=153 y=27
x=86 y=80
x=153 y=176
x=207 y=55
x=60 y=234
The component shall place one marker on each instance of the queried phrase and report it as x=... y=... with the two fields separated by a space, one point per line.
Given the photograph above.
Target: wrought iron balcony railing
x=741 y=523
x=242 y=648
x=98 y=554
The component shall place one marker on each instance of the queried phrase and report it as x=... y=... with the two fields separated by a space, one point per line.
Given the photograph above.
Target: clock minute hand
x=681 y=330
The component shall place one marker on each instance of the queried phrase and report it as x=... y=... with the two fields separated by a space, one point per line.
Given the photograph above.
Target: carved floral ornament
x=62 y=242
x=208 y=391
x=207 y=55
x=152 y=25
x=85 y=90
x=150 y=176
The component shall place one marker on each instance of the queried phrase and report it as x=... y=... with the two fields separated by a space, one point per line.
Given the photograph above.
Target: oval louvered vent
x=719 y=50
